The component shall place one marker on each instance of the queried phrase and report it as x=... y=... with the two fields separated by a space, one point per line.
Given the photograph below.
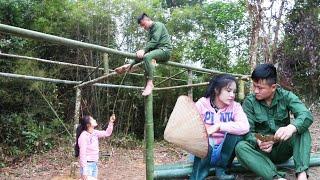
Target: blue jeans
x=90 y=170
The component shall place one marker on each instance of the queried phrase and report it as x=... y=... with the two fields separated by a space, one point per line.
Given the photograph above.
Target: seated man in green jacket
x=157 y=48
x=268 y=111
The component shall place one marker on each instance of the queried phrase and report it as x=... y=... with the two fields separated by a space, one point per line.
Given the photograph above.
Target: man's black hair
x=265 y=72
x=143 y=15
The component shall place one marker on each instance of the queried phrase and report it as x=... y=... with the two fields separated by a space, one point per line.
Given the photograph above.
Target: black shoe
x=221 y=174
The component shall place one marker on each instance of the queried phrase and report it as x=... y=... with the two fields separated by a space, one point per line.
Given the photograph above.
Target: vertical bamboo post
x=241 y=90
x=149 y=137
x=190 y=91
x=106 y=71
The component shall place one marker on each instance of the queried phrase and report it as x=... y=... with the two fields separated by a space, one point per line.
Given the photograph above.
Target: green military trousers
x=201 y=167
x=261 y=163
x=157 y=54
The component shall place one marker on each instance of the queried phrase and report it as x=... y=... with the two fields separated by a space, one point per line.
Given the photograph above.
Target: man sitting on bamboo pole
x=273 y=138
x=158 y=48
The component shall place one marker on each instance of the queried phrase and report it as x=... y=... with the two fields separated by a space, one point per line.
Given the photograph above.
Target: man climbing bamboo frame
x=158 y=48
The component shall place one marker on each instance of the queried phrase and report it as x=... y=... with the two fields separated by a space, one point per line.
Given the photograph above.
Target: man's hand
x=284 y=133
x=140 y=53
x=213 y=129
x=265 y=146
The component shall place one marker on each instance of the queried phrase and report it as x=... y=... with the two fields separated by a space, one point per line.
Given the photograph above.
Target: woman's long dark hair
x=83 y=126
x=217 y=83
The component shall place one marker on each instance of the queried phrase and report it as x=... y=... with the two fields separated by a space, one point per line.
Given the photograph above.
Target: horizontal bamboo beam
x=59 y=40
x=47 y=61
x=182 y=86
x=60 y=81
x=170 y=63
x=75 y=65
x=184 y=170
x=69 y=42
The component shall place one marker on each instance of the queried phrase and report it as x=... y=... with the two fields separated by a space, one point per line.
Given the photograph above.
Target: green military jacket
x=266 y=119
x=158 y=38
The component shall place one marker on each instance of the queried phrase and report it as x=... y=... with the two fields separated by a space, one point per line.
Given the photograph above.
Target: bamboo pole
x=74 y=65
x=190 y=93
x=59 y=40
x=149 y=137
x=180 y=170
x=175 y=64
x=241 y=94
x=35 y=78
x=106 y=71
x=47 y=61
x=101 y=78
x=182 y=86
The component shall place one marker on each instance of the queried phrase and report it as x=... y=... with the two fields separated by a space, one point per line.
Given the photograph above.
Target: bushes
x=22 y=135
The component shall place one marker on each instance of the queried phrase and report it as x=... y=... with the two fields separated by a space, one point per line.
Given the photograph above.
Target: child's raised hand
x=112 y=118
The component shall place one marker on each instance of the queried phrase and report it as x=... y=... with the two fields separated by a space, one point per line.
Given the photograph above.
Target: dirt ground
x=118 y=163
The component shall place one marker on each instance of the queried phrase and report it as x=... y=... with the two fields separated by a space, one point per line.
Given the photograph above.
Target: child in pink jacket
x=87 y=145
x=225 y=122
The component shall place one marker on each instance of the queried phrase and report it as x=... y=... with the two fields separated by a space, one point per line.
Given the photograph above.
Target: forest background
x=228 y=36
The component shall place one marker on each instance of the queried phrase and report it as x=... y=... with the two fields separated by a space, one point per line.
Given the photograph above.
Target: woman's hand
x=112 y=118
x=214 y=128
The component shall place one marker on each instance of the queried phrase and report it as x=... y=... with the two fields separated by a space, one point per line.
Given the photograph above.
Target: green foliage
x=24 y=135
x=298 y=54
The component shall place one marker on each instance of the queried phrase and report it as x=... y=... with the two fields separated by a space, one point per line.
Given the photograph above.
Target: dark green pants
x=159 y=55
x=201 y=167
x=261 y=163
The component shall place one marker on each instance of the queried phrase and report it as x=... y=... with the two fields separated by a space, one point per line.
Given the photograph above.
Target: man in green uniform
x=157 y=48
x=268 y=111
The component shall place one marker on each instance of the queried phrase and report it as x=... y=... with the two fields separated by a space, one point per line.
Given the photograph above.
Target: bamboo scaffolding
x=59 y=40
x=36 y=78
x=148 y=106
x=69 y=42
x=182 y=86
x=74 y=65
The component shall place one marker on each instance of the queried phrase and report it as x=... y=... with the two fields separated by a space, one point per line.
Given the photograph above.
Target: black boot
x=221 y=174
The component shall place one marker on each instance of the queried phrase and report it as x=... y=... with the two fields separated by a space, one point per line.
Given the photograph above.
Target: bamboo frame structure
x=36 y=78
x=76 y=65
x=149 y=99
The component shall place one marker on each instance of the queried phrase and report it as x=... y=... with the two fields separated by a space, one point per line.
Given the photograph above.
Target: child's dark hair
x=217 y=83
x=139 y=19
x=83 y=126
x=265 y=72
